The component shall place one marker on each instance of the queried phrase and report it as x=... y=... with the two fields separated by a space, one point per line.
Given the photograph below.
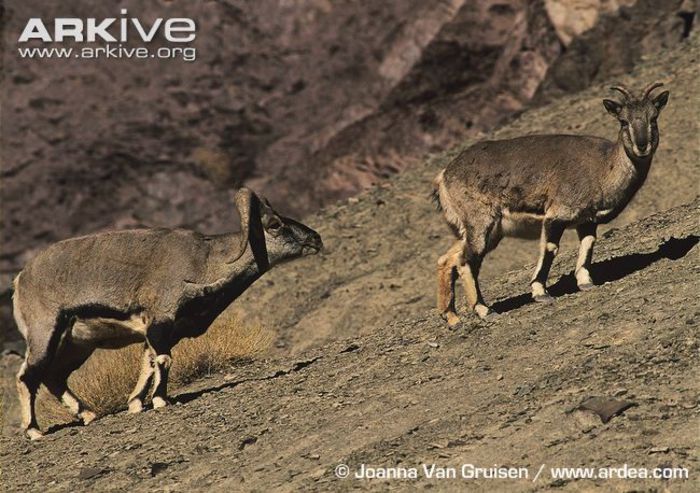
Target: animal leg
x=552 y=232
x=447 y=275
x=28 y=381
x=76 y=407
x=71 y=358
x=587 y=236
x=30 y=375
x=475 y=248
x=138 y=395
x=159 y=341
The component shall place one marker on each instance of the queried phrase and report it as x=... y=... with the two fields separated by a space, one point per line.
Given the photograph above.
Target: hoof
x=586 y=287
x=451 y=318
x=159 y=403
x=135 y=406
x=543 y=298
x=33 y=433
x=87 y=417
x=482 y=311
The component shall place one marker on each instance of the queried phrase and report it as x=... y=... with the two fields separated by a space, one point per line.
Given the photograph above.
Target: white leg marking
x=159 y=402
x=34 y=434
x=538 y=267
x=140 y=389
x=452 y=318
x=482 y=310
x=538 y=289
x=26 y=401
x=583 y=276
x=87 y=417
x=135 y=406
x=163 y=362
x=552 y=247
x=71 y=402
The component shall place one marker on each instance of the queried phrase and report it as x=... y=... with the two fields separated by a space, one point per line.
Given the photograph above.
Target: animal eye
x=274 y=224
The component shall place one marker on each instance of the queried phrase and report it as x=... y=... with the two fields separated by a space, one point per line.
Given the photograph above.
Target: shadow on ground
x=609 y=270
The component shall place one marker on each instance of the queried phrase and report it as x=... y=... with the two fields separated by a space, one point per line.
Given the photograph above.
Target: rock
x=250 y=440
x=574 y=17
x=158 y=467
x=92 y=472
x=606 y=408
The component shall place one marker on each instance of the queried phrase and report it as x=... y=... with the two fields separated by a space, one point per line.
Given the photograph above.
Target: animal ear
x=613 y=107
x=267 y=213
x=660 y=100
x=265 y=207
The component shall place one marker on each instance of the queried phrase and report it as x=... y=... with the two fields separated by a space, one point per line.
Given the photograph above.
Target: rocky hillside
x=599 y=379
x=382 y=245
x=304 y=101
x=367 y=373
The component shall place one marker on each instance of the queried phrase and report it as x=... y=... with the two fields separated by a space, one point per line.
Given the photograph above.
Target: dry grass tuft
x=108 y=377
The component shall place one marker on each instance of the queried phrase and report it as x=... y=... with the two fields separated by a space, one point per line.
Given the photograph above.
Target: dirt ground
x=503 y=392
x=382 y=246
x=366 y=373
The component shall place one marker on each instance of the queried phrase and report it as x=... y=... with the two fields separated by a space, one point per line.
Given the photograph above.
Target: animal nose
x=317 y=242
x=640 y=135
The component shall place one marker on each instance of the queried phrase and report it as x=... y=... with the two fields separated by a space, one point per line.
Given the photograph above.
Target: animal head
x=283 y=238
x=637 y=117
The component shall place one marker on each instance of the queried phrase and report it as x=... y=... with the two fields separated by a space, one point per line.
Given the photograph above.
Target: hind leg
x=40 y=351
x=138 y=395
x=478 y=242
x=552 y=232
x=158 y=338
x=446 y=277
x=71 y=357
x=28 y=381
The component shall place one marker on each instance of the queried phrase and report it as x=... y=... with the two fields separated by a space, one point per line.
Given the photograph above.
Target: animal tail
x=19 y=317
x=435 y=195
x=442 y=202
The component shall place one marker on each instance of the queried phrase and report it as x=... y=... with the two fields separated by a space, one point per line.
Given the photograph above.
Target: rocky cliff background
x=308 y=102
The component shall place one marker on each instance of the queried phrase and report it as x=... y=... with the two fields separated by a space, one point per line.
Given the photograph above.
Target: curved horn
x=252 y=232
x=243 y=199
x=649 y=88
x=623 y=90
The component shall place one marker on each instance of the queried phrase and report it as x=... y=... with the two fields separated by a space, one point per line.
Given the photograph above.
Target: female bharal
x=539 y=185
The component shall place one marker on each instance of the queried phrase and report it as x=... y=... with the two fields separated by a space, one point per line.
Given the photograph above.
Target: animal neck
x=246 y=270
x=627 y=173
x=225 y=281
x=253 y=260
x=227 y=262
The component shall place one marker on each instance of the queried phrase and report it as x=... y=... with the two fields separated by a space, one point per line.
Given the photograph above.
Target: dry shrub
x=107 y=378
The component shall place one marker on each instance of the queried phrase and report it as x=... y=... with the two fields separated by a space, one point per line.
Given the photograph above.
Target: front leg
x=587 y=236
x=158 y=338
x=552 y=231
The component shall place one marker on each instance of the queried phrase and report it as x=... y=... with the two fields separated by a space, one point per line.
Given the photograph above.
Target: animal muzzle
x=312 y=246
x=640 y=137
